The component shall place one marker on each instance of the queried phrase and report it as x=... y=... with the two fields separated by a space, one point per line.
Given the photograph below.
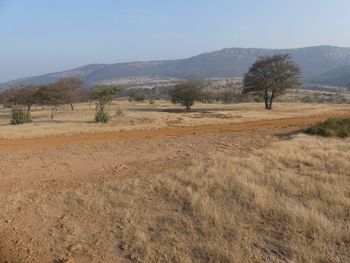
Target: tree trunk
x=71 y=106
x=28 y=108
x=271 y=100
x=53 y=111
x=266 y=98
x=188 y=107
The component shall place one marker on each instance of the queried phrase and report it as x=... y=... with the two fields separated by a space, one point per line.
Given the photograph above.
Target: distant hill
x=229 y=62
x=338 y=77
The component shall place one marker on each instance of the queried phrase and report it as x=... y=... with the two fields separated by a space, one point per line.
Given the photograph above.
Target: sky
x=44 y=36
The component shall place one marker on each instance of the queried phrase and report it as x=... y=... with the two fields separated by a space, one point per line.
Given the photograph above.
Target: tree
x=26 y=95
x=73 y=89
x=270 y=77
x=187 y=92
x=104 y=95
x=207 y=96
x=53 y=95
x=17 y=98
x=10 y=97
x=137 y=95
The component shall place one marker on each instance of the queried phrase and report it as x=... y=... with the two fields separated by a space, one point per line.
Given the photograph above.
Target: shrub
x=137 y=95
x=19 y=116
x=259 y=99
x=228 y=97
x=101 y=116
x=336 y=127
x=104 y=95
x=306 y=99
x=188 y=92
x=151 y=101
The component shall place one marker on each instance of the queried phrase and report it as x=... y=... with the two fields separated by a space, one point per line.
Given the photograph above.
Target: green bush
x=101 y=116
x=335 y=127
x=137 y=95
x=19 y=116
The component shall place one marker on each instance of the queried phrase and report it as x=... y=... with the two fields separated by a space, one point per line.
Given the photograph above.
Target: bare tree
x=270 y=77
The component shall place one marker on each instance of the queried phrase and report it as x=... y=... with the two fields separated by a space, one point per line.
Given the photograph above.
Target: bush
x=335 y=127
x=151 y=101
x=101 y=116
x=137 y=95
x=19 y=116
x=228 y=97
x=188 y=92
x=259 y=99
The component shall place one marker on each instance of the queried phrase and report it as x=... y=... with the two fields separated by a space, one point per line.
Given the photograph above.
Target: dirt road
x=70 y=161
x=6 y=145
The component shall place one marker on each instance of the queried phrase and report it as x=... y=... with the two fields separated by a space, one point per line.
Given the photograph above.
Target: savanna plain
x=222 y=183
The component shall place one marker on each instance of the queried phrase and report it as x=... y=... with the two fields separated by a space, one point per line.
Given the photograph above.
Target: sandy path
x=6 y=145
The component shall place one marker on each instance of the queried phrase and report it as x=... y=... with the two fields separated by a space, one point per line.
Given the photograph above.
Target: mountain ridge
x=227 y=62
x=336 y=77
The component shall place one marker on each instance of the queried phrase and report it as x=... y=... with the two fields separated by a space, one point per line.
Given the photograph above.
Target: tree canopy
x=105 y=94
x=270 y=77
x=72 y=87
x=189 y=91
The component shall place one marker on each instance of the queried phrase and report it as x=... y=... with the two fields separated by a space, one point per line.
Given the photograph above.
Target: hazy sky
x=43 y=36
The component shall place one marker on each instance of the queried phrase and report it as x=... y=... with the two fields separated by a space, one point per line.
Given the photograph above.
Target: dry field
x=143 y=116
x=233 y=189
x=257 y=196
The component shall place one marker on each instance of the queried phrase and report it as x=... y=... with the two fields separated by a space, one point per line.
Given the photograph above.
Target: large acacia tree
x=53 y=95
x=270 y=77
x=25 y=95
x=73 y=87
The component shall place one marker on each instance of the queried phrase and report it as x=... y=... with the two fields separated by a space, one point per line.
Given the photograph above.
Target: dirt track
x=70 y=161
x=6 y=145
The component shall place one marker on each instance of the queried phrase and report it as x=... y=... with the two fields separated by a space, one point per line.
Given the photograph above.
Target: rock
x=119 y=168
x=75 y=248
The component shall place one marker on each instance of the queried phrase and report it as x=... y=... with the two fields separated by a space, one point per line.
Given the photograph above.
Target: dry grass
x=142 y=116
x=287 y=203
